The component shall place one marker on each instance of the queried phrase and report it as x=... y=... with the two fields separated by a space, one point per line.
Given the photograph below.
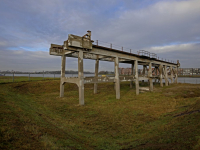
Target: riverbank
x=196 y=76
x=40 y=77
x=33 y=116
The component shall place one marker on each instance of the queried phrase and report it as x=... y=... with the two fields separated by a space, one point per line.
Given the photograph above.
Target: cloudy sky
x=169 y=28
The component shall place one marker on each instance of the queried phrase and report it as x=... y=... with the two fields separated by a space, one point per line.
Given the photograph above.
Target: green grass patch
x=33 y=116
x=7 y=79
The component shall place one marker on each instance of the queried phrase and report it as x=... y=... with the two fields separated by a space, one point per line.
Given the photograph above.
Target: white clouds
x=174 y=48
x=162 y=27
x=160 y=24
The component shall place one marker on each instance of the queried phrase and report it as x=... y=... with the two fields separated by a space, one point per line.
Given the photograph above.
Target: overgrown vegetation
x=33 y=116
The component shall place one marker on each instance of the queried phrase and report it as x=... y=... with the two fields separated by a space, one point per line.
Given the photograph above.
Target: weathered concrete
x=156 y=73
x=144 y=70
x=166 y=75
x=82 y=48
x=136 y=77
x=81 y=78
x=161 y=74
x=63 y=61
x=132 y=72
x=171 y=75
x=176 y=74
x=96 y=74
x=150 y=77
x=117 y=81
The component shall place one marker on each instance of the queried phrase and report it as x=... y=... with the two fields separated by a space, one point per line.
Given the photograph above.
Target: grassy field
x=33 y=116
x=6 y=79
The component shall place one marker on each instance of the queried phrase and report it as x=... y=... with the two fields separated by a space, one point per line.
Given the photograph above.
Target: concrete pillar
x=132 y=69
x=96 y=74
x=166 y=76
x=117 y=81
x=150 y=77
x=81 y=78
x=136 y=77
x=176 y=75
x=156 y=73
x=171 y=76
x=161 y=74
x=63 y=61
x=143 y=71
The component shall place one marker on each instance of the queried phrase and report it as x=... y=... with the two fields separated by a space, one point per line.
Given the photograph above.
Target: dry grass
x=33 y=116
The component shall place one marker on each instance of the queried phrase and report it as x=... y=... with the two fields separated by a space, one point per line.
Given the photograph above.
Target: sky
x=169 y=28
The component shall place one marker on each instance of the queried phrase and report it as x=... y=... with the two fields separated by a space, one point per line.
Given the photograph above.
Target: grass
x=6 y=79
x=33 y=116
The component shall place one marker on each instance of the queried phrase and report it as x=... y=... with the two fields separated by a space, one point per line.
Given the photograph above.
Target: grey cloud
x=160 y=24
x=21 y=60
x=34 y=25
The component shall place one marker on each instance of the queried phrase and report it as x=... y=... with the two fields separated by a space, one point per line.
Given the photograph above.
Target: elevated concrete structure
x=82 y=48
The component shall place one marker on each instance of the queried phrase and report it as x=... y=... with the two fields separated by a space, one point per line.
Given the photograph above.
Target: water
x=189 y=80
x=180 y=79
x=48 y=75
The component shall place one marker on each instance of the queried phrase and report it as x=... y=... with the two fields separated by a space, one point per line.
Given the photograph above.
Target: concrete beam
x=109 y=53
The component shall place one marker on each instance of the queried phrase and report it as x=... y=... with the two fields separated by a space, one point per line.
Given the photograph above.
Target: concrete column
x=161 y=74
x=171 y=76
x=132 y=69
x=96 y=74
x=143 y=71
x=117 y=81
x=63 y=61
x=150 y=77
x=166 y=76
x=156 y=73
x=81 y=78
x=136 y=77
x=176 y=75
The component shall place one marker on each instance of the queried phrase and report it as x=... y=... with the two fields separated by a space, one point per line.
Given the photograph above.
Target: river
x=180 y=79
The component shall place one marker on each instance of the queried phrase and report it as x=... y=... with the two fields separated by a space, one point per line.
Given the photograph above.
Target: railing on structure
x=147 y=54
x=113 y=46
x=121 y=48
